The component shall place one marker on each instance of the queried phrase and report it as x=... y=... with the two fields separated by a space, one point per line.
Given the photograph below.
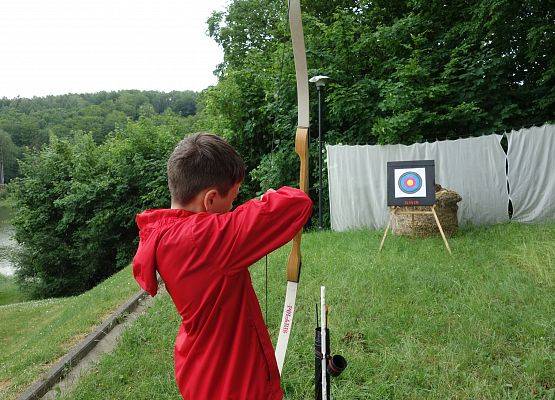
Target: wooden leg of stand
x=441 y=229
x=385 y=233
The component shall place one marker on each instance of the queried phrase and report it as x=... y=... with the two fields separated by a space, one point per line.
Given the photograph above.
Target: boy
x=202 y=251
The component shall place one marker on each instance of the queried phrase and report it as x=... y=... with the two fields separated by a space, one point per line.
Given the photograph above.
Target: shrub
x=76 y=203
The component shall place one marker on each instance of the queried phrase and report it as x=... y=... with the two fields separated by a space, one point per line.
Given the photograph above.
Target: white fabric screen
x=531 y=159
x=474 y=167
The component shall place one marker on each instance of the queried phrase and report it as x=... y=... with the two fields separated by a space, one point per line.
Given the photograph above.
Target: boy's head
x=204 y=165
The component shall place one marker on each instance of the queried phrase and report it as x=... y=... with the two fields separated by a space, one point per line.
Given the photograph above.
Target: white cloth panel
x=474 y=168
x=531 y=159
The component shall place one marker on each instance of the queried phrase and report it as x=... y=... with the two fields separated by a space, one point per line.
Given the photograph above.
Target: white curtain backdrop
x=531 y=159
x=473 y=167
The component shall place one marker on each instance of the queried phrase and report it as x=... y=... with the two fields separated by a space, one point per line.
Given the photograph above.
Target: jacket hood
x=152 y=226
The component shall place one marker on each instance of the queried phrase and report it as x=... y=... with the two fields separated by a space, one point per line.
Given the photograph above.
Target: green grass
x=413 y=322
x=35 y=334
x=9 y=291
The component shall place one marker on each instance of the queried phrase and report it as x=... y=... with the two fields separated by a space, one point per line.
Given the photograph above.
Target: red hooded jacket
x=223 y=349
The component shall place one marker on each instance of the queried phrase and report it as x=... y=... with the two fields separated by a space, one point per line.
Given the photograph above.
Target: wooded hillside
x=28 y=123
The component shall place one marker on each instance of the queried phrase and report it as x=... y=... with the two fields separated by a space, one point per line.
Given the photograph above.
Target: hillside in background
x=29 y=123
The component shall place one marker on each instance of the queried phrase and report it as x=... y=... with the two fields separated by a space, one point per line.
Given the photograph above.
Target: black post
x=318 y=364
x=319 y=157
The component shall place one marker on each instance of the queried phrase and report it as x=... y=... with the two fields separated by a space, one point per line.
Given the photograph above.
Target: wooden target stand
x=395 y=210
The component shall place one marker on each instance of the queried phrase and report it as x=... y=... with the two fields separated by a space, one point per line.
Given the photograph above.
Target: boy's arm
x=258 y=227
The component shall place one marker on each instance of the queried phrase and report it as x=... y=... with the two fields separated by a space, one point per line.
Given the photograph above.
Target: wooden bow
x=301 y=148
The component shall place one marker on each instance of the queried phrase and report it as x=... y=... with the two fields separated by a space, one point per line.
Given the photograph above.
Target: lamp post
x=320 y=81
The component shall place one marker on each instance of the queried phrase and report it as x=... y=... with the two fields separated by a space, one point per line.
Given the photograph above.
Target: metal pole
x=324 y=344
x=320 y=225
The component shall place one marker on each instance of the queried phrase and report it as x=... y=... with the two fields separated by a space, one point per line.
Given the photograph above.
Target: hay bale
x=423 y=225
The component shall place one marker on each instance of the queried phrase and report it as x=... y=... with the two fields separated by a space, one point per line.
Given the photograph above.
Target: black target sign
x=411 y=183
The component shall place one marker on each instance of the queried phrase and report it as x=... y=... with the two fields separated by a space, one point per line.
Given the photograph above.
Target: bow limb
x=301 y=148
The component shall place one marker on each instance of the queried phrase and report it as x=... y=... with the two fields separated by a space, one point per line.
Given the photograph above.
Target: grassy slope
x=9 y=291
x=35 y=334
x=412 y=321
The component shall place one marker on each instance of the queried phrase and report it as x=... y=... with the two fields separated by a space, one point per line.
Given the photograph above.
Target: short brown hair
x=200 y=161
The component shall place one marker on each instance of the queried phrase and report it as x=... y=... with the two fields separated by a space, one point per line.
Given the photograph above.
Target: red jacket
x=223 y=350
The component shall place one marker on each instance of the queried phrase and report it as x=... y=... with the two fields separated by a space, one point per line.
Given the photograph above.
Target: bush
x=76 y=204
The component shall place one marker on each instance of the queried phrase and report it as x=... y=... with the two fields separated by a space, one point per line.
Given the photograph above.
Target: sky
x=78 y=46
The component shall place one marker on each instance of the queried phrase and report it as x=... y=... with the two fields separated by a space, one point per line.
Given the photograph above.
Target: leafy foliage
x=401 y=72
x=29 y=123
x=76 y=203
x=8 y=157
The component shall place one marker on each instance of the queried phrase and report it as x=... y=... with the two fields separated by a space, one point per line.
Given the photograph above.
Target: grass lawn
x=35 y=334
x=9 y=291
x=413 y=322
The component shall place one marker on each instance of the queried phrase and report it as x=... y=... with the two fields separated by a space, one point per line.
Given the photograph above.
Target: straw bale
x=424 y=225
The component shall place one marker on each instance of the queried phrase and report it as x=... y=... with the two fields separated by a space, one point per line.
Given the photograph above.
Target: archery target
x=410 y=182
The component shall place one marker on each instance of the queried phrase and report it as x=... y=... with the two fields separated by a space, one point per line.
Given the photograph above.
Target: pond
x=6 y=241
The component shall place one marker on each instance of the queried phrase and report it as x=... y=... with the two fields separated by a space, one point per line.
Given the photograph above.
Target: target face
x=410 y=182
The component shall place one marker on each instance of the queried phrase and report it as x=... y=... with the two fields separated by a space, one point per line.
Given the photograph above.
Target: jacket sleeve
x=256 y=228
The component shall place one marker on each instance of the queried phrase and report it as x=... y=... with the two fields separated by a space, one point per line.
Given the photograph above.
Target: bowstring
x=272 y=149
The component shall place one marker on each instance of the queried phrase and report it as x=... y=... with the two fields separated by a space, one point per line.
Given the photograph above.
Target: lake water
x=6 y=241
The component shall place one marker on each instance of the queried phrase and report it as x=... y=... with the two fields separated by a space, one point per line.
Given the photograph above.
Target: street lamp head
x=319 y=80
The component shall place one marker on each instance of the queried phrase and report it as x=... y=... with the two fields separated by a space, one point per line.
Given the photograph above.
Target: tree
x=30 y=122
x=402 y=72
x=76 y=203
x=8 y=158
